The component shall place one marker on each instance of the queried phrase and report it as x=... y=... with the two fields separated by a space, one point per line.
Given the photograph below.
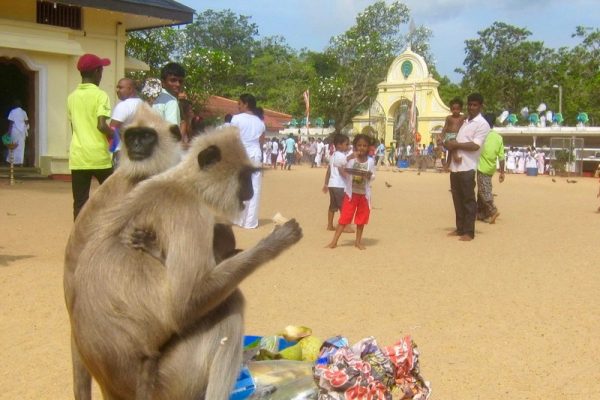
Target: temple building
x=407 y=98
x=408 y=109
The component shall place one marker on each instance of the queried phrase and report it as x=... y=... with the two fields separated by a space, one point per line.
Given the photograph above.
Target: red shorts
x=357 y=207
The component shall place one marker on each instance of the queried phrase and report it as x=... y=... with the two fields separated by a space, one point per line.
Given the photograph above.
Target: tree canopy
x=224 y=54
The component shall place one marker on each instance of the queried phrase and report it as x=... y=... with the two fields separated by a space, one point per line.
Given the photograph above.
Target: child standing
x=451 y=128
x=358 y=175
x=334 y=178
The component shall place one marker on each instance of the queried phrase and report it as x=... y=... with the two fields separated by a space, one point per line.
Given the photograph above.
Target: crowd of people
x=519 y=160
x=468 y=148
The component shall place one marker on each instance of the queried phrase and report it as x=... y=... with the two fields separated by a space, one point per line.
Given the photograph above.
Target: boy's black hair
x=456 y=100
x=475 y=97
x=339 y=138
x=172 y=68
x=361 y=136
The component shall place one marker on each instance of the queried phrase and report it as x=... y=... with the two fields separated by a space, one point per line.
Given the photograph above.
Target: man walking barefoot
x=467 y=145
x=492 y=150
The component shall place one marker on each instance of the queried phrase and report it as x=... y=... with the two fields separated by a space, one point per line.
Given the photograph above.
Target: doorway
x=17 y=82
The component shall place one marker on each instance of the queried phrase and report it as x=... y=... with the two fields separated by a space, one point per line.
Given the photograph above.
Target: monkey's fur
x=132 y=170
x=171 y=329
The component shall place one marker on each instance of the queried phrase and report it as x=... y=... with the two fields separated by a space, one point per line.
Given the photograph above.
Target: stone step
x=22 y=173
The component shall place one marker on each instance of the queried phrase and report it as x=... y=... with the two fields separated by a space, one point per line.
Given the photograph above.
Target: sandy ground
x=513 y=314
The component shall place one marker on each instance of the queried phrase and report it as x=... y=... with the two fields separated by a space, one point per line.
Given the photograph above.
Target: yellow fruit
x=311 y=346
x=292 y=353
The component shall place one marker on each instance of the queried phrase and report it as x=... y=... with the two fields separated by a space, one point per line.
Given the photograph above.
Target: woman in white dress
x=541 y=160
x=522 y=155
x=252 y=133
x=511 y=161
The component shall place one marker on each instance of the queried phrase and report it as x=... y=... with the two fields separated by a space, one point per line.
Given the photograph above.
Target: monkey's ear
x=175 y=132
x=209 y=156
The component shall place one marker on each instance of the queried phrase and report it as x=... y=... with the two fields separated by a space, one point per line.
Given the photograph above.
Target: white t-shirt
x=475 y=131
x=337 y=161
x=18 y=116
x=251 y=129
x=125 y=110
x=365 y=183
x=274 y=148
x=320 y=147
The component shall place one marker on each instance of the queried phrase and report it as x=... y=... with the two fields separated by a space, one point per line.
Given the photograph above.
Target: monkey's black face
x=140 y=142
x=246 y=191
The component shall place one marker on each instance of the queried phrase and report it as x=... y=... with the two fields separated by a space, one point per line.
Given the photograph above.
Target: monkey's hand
x=145 y=240
x=285 y=235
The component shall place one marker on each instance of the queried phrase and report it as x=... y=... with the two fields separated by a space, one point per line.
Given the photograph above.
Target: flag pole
x=306 y=96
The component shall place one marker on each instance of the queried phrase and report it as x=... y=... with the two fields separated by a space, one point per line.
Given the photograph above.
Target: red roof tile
x=217 y=106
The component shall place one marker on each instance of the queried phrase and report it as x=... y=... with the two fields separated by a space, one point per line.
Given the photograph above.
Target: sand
x=513 y=314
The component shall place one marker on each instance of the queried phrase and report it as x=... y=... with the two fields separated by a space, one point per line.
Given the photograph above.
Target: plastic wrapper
x=282 y=380
x=367 y=371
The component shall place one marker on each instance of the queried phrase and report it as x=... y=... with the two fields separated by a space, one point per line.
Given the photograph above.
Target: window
x=51 y=13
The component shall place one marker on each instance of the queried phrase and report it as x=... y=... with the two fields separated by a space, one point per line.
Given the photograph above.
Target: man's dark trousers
x=462 y=185
x=81 y=181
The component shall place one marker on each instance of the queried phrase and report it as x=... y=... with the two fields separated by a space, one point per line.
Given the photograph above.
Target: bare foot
x=359 y=246
x=331 y=245
x=493 y=217
x=465 y=238
x=330 y=228
x=453 y=233
x=348 y=230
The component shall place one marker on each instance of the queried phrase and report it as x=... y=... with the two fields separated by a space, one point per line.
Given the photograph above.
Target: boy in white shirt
x=334 y=181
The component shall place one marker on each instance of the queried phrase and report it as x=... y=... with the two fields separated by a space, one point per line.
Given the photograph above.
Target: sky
x=311 y=23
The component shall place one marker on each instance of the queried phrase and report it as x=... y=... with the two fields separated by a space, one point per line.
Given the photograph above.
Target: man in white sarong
x=18 y=128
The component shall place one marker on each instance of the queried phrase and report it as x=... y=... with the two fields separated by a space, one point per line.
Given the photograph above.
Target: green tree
x=362 y=56
x=227 y=32
x=155 y=47
x=447 y=90
x=206 y=72
x=279 y=76
x=504 y=66
x=580 y=76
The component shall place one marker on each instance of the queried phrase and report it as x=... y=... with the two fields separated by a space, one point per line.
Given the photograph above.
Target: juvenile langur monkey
x=159 y=318
x=150 y=147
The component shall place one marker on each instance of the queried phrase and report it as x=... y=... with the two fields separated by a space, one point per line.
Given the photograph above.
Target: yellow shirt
x=89 y=146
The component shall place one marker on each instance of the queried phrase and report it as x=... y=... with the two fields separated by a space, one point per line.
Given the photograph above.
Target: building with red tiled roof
x=217 y=106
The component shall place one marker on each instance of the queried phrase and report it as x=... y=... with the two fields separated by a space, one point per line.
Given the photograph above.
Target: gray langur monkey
x=150 y=146
x=159 y=318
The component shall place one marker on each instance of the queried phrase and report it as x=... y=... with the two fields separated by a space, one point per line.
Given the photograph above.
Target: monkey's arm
x=219 y=282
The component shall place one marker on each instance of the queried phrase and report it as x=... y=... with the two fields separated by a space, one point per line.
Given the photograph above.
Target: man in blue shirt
x=290 y=151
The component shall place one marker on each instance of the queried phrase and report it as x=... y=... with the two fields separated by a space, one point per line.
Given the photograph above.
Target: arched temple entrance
x=17 y=82
x=408 y=79
x=401 y=112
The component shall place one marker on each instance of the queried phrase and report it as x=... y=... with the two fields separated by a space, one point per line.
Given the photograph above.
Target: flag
x=413 y=114
x=306 y=96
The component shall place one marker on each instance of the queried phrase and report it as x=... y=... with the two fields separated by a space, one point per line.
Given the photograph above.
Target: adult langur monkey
x=160 y=319
x=151 y=146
